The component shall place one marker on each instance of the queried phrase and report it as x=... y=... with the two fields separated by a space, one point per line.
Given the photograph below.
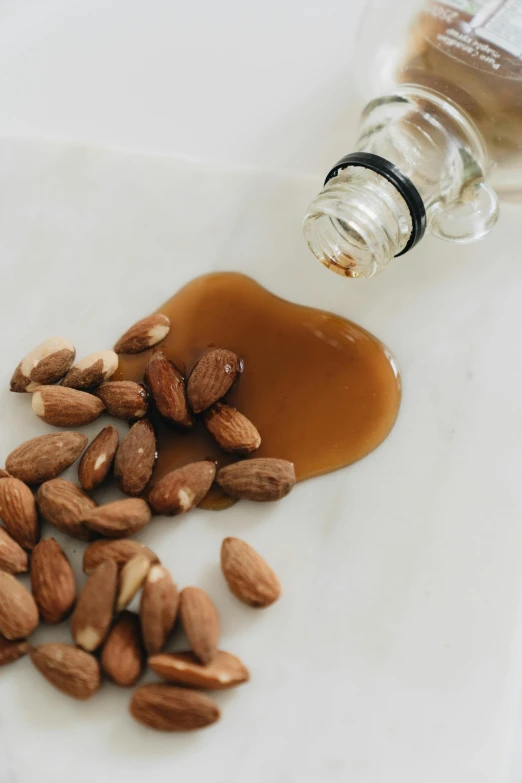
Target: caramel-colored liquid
x=322 y=392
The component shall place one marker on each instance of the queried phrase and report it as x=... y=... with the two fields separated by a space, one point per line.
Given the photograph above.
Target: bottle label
x=497 y=22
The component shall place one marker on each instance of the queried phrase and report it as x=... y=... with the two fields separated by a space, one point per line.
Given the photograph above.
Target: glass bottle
x=443 y=138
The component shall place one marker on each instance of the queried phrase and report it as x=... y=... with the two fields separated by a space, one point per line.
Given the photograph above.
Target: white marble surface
x=394 y=652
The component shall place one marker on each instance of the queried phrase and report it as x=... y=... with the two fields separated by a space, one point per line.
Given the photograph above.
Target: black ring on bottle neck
x=400 y=182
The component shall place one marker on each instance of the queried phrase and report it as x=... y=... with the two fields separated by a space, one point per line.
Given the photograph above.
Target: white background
x=270 y=85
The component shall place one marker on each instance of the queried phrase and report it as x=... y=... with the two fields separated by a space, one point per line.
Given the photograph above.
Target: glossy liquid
x=321 y=390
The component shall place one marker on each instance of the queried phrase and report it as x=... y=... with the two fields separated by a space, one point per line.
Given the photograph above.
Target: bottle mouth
x=358 y=223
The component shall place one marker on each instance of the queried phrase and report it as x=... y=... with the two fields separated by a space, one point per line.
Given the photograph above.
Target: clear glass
x=449 y=117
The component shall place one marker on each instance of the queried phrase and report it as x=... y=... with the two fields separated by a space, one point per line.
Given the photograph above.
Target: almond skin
x=167 y=387
x=124 y=399
x=18 y=610
x=91 y=371
x=158 y=608
x=120 y=518
x=65 y=506
x=182 y=489
x=46 y=456
x=261 y=479
x=13 y=559
x=72 y=671
x=11 y=651
x=132 y=576
x=234 y=432
x=52 y=581
x=136 y=458
x=123 y=656
x=144 y=334
x=18 y=512
x=120 y=550
x=46 y=364
x=211 y=378
x=98 y=459
x=200 y=620
x=92 y=616
x=61 y=407
x=225 y=671
x=248 y=576
x=167 y=708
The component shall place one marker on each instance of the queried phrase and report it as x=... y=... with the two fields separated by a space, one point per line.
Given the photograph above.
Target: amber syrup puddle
x=322 y=391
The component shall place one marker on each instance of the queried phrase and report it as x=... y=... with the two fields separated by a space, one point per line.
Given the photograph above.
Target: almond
x=144 y=334
x=46 y=456
x=121 y=551
x=92 y=616
x=65 y=506
x=132 y=576
x=11 y=651
x=91 y=371
x=120 y=518
x=124 y=399
x=167 y=387
x=158 y=608
x=123 y=656
x=18 y=512
x=212 y=377
x=52 y=581
x=167 y=708
x=18 y=611
x=46 y=364
x=97 y=461
x=261 y=479
x=13 y=559
x=183 y=668
x=234 y=432
x=200 y=621
x=248 y=576
x=61 y=407
x=182 y=489
x=4 y=474
x=72 y=671
x=136 y=458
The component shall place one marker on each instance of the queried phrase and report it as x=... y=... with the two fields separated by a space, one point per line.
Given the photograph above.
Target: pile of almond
x=109 y=640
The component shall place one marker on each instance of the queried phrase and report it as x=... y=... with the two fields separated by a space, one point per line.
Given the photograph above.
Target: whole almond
x=18 y=610
x=46 y=456
x=182 y=489
x=200 y=620
x=123 y=655
x=234 y=432
x=52 y=581
x=167 y=387
x=183 y=668
x=72 y=671
x=132 y=576
x=11 y=651
x=61 y=407
x=121 y=551
x=98 y=458
x=91 y=371
x=136 y=458
x=248 y=576
x=124 y=399
x=211 y=378
x=158 y=608
x=261 y=479
x=167 y=708
x=92 y=616
x=13 y=559
x=65 y=506
x=120 y=518
x=18 y=512
x=144 y=334
x=46 y=364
